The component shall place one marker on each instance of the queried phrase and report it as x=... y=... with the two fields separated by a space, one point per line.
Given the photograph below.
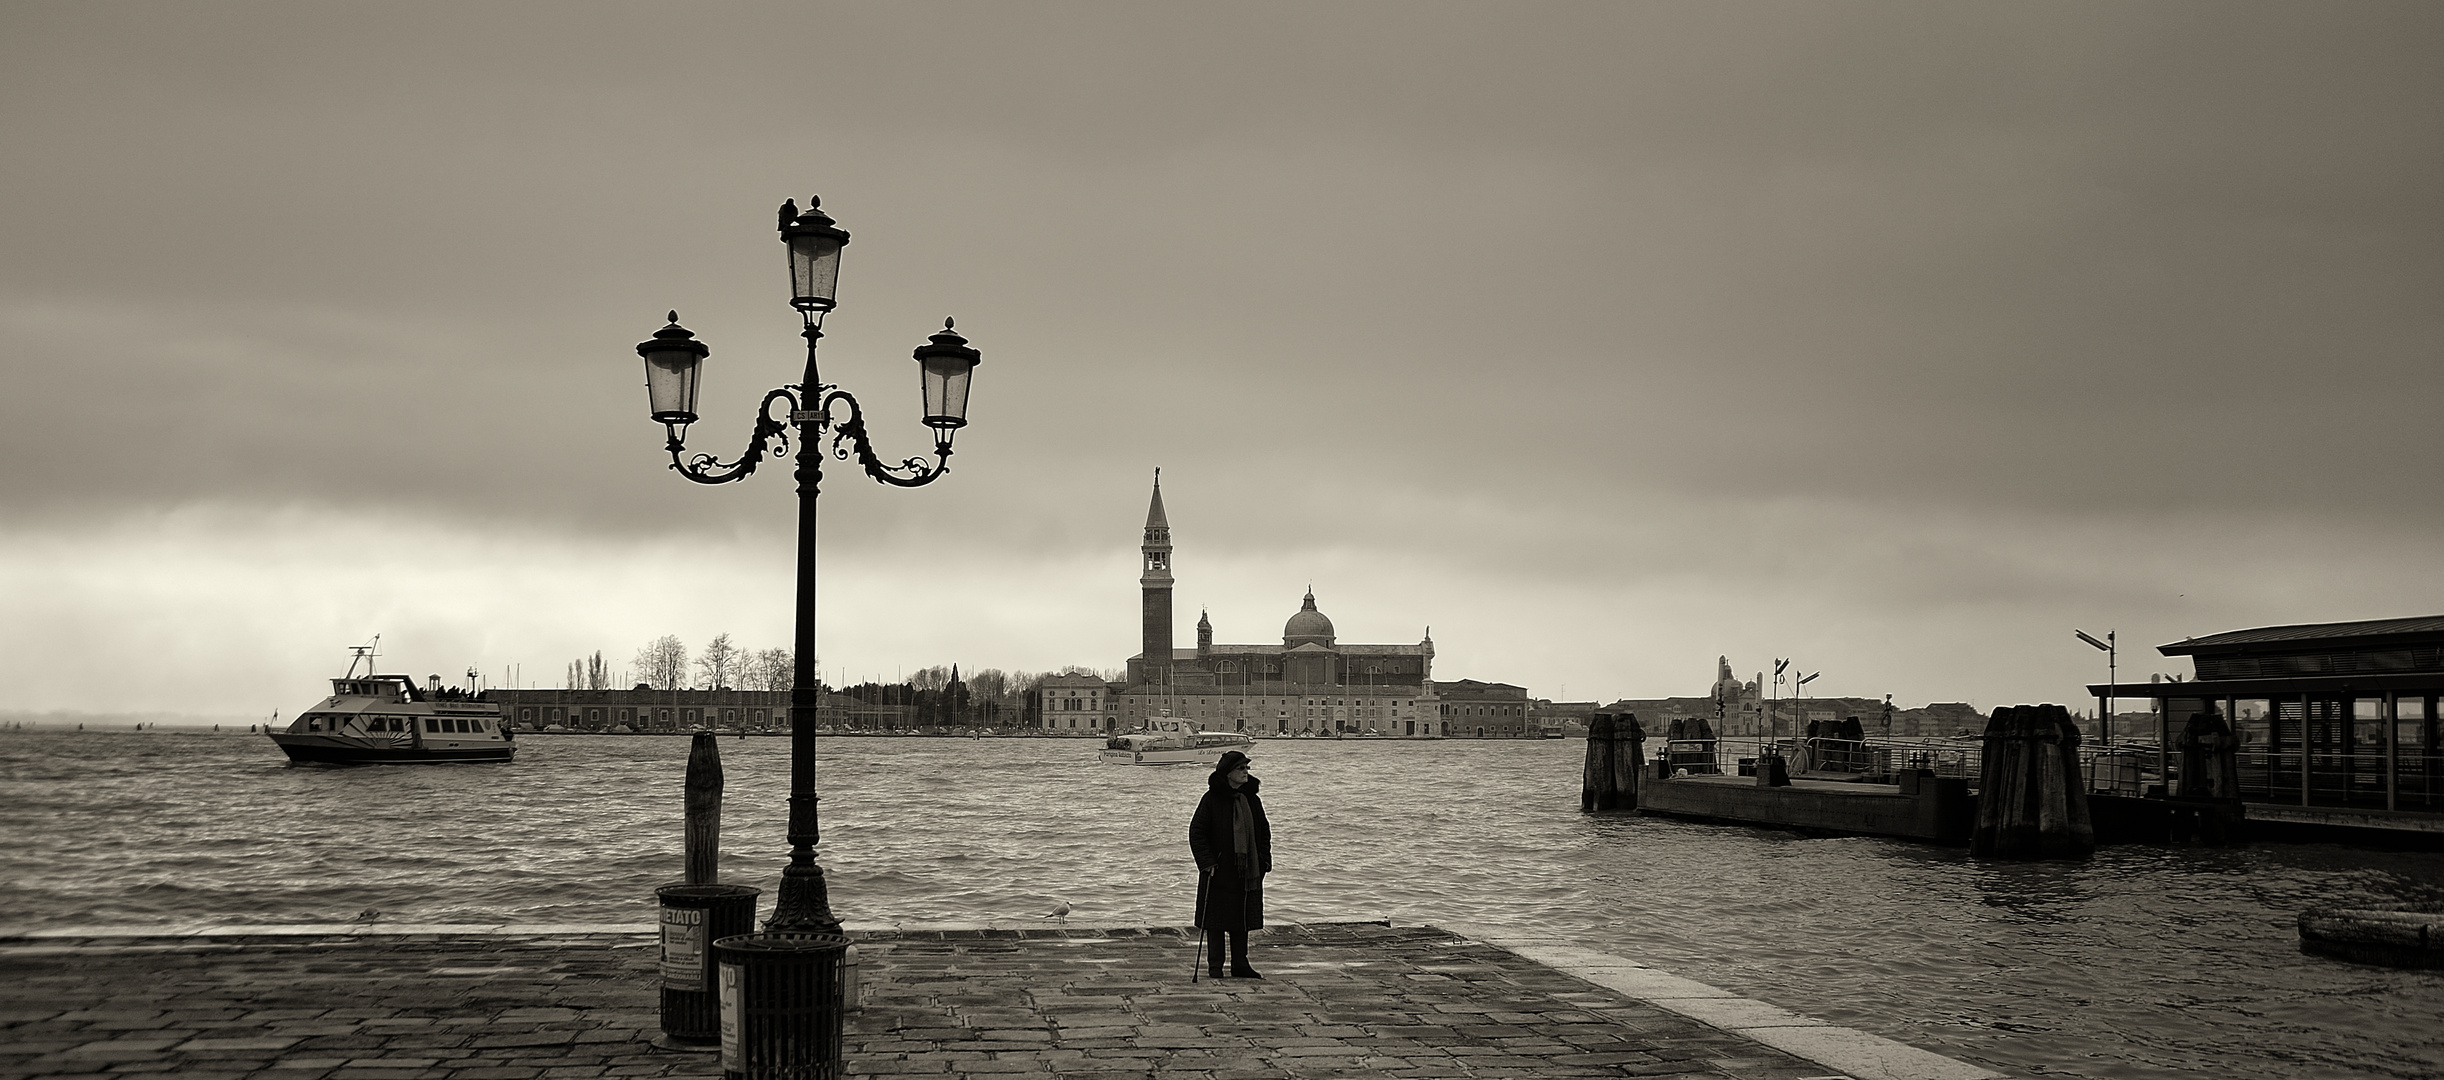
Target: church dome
x=1307 y=627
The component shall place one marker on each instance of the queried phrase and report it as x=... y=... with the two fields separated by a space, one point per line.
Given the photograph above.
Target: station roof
x=2366 y=631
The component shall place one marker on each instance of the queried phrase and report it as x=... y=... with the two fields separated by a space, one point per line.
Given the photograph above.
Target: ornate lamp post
x=816 y=411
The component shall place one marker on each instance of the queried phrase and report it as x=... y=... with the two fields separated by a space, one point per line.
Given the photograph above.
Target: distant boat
x=374 y=719
x=1164 y=741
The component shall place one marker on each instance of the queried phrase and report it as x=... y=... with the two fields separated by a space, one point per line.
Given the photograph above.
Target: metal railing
x=2124 y=768
x=1873 y=756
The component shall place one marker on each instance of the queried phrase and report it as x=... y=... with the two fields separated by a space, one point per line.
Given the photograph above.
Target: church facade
x=1309 y=684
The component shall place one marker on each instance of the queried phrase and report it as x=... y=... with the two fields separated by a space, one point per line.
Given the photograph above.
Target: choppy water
x=2143 y=962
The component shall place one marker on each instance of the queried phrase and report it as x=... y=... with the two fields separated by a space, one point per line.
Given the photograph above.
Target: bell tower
x=1154 y=663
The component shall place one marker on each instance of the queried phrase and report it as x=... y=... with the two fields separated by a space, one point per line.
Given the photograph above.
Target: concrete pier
x=1029 y=1001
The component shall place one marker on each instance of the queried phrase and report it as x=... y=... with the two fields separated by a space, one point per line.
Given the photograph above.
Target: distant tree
x=598 y=674
x=718 y=667
x=662 y=663
x=770 y=669
x=932 y=678
x=988 y=686
x=576 y=677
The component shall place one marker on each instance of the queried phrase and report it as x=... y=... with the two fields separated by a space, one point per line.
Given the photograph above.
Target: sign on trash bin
x=731 y=1060
x=683 y=948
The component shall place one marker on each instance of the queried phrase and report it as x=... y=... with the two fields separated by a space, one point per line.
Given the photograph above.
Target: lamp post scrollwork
x=789 y=418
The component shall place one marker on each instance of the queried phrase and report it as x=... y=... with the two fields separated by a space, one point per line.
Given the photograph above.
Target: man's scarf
x=1243 y=837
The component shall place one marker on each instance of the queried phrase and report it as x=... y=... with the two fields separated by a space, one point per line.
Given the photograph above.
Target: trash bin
x=782 y=1001
x=693 y=918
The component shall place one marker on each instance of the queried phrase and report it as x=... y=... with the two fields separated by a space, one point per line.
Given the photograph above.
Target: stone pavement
x=542 y=1003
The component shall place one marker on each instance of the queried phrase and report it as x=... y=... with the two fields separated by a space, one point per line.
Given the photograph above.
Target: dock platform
x=1935 y=809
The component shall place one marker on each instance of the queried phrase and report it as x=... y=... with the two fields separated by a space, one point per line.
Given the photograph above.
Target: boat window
x=431 y=725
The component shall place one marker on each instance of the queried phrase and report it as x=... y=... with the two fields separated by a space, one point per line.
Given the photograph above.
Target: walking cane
x=1202 y=876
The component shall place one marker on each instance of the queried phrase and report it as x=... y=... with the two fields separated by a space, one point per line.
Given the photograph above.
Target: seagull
x=789 y=212
x=1060 y=910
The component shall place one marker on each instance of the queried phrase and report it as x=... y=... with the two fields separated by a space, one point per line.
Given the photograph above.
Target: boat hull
x=328 y=750
x=1198 y=755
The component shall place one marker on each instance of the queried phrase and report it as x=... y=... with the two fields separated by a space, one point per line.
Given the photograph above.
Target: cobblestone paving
x=1347 y=1000
x=1338 y=1000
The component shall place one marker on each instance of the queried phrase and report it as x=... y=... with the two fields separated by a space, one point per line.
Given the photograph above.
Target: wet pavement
x=1032 y=1001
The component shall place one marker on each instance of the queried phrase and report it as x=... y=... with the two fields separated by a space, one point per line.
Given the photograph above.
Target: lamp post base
x=803 y=905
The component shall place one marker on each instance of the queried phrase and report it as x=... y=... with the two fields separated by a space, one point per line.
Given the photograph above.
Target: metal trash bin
x=782 y=1002
x=693 y=918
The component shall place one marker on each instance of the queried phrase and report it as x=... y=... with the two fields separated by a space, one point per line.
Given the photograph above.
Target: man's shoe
x=1244 y=973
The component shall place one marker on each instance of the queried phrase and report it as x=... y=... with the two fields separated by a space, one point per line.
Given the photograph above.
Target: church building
x=1309 y=684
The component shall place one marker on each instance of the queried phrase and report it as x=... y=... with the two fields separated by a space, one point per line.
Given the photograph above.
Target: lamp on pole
x=816 y=411
x=2107 y=646
x=1773 y=719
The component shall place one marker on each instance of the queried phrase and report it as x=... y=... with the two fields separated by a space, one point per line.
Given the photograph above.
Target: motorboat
x=372 y=719
x=1173 y=742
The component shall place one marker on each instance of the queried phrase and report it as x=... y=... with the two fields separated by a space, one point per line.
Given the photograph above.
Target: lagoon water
x=2144 y=962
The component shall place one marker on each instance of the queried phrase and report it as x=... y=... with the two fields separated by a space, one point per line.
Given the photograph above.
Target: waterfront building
x=1074 y=703
x=2336 y=722
x=643 y=709
x=1483 y=710
x=1736 y=707
x=1310 y=684
x=646 y=710
x=1560 y=718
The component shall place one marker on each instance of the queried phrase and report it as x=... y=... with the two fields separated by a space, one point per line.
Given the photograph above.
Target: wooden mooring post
x=1595 y=789
x=703 y=809
x=2031 y=803
x=1615 y=757
x=1628 y=760
x=2206 y=808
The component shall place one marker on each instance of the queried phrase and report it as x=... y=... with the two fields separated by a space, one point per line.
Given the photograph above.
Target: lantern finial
x=674 y=316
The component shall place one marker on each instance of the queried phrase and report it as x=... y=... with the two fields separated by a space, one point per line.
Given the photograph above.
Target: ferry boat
x=374 y=719
x=1173 y=742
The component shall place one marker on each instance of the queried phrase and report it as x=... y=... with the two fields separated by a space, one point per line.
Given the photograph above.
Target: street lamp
x=816 y=410
x=1773 y=719
x=2107 y=647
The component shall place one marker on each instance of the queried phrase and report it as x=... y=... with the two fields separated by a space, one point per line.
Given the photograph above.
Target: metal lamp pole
x=2111 y=660
x=1773 y=719
x=816 y=410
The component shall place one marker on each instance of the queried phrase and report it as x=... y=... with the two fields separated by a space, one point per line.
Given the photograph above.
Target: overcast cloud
x=1603 y=338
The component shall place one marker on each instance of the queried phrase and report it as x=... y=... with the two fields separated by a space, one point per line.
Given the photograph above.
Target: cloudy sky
x=1604 y=339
